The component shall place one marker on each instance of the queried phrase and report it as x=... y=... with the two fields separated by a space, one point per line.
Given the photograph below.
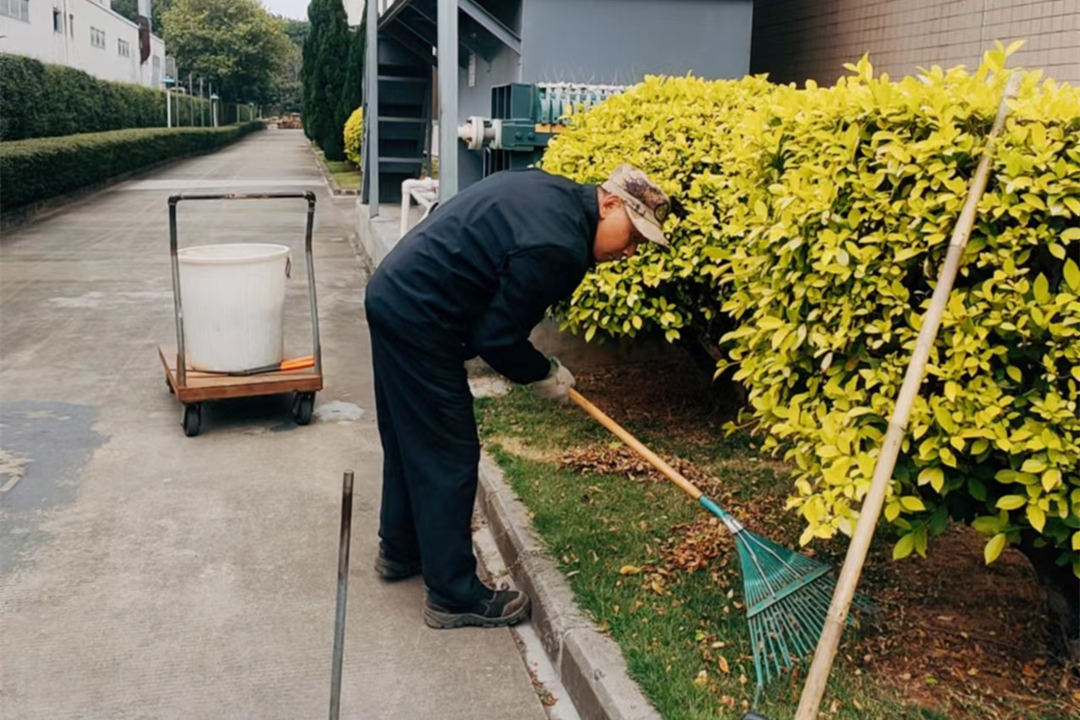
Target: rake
x=787 y=594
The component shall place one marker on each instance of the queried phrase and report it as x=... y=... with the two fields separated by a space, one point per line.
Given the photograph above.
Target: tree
x=127 y=8
x=297 y=30
x=236 y=43
x=285 y=92
x=285 y=89
x=323 y=76
x=352 y=92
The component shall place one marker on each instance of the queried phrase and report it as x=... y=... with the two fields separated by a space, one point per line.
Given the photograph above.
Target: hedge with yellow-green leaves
x=818 y=225
x=353 y=135
x=681 y=132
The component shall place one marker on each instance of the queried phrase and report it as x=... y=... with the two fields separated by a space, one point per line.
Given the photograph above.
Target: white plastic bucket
x=233 y=299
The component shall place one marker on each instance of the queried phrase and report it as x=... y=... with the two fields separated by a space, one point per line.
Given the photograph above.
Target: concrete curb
x=378 y=235
x=590 y=665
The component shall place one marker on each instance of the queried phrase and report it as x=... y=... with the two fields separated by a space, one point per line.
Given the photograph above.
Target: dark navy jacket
x=477 y=274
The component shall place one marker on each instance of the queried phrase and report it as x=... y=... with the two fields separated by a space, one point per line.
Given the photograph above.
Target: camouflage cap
x=646 y=204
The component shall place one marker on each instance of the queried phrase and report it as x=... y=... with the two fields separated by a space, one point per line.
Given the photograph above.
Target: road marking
x=14 y=466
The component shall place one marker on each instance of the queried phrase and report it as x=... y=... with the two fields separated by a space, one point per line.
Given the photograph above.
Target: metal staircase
x=407 y=36
x=404 y=118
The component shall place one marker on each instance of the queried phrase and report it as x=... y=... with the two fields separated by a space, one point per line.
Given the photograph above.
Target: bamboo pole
x=818 y=675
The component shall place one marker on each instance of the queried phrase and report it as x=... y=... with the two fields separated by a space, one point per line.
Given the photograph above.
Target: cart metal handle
x=181 y=355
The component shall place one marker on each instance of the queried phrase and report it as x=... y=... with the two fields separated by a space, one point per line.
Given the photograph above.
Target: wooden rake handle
x=655 y=460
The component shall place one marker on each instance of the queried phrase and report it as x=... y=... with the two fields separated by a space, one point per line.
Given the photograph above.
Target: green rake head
x=787 y=599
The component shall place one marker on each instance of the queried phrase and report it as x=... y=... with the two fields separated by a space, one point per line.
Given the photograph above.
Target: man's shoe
x=392 y=570
x=504 y=607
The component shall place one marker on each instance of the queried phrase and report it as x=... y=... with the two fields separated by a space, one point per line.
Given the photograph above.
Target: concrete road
x=144 y=574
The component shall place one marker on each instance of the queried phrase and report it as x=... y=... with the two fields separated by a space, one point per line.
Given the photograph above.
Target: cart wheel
x=192 y=419
x=303 y=405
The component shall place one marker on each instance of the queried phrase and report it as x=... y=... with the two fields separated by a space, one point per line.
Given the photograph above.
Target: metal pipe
x=448 y=98
x=181 y=356
x=412 y=188
x=315 y=342
x=342 y=591
x=371 y=115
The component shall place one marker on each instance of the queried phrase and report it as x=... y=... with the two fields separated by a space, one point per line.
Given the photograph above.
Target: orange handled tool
x=294 y=364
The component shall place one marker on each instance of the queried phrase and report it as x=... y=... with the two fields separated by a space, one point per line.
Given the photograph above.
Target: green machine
x=524 y=117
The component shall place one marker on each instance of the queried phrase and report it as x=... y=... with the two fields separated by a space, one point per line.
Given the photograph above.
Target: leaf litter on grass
x=950 y=633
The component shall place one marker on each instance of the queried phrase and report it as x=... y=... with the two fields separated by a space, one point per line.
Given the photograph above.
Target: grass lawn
x=346 y=175
x=658 y=574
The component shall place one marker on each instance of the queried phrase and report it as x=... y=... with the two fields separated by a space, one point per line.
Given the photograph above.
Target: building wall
x=620 y=41
x=798 y=39
x=71 y=43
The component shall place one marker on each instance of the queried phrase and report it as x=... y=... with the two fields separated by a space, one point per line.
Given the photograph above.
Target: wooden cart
x=192 y=387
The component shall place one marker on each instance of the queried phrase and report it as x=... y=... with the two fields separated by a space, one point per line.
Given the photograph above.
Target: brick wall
x=798 y=39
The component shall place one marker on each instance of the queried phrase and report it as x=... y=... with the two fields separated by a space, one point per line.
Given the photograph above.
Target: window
x=71 y=24
x=18 y=9
x=58 y=21
x=97 y=37
x=123 y=47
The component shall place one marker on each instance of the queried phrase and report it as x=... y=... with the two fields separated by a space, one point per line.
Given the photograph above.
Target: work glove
x=556 y=385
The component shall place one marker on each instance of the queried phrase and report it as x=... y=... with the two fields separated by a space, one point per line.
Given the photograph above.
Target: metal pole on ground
x=342 y=591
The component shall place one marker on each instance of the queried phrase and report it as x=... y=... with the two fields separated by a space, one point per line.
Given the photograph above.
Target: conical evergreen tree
x=323 y=73
x=352 y=92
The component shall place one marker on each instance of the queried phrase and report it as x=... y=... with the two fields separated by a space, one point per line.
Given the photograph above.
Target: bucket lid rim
x=273 y=251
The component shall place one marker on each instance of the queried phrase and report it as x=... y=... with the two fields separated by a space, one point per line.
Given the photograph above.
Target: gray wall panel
x=620 y=41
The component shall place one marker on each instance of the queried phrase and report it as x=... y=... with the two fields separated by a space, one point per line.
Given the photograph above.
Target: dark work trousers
x=430 y=456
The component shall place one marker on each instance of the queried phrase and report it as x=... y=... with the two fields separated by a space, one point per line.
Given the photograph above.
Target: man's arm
x=533 y=280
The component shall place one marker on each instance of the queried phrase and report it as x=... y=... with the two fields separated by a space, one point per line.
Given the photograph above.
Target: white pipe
x=425 y=191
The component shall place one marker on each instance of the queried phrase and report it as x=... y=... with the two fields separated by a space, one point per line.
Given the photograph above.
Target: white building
x=83 y=34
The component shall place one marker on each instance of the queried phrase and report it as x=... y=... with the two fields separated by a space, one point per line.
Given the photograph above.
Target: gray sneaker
x=504 y=607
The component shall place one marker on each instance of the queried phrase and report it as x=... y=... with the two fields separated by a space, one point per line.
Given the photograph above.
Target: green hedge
x=41 y=100
x=40 y=168
x=811 y=224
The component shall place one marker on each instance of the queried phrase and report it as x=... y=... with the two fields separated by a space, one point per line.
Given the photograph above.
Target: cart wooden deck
x=203 y=386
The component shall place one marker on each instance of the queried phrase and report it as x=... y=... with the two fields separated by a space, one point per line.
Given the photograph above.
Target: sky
x=298 y=8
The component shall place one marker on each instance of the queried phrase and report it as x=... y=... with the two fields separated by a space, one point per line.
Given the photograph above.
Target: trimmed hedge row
x=37 y=169
x=41 y=100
